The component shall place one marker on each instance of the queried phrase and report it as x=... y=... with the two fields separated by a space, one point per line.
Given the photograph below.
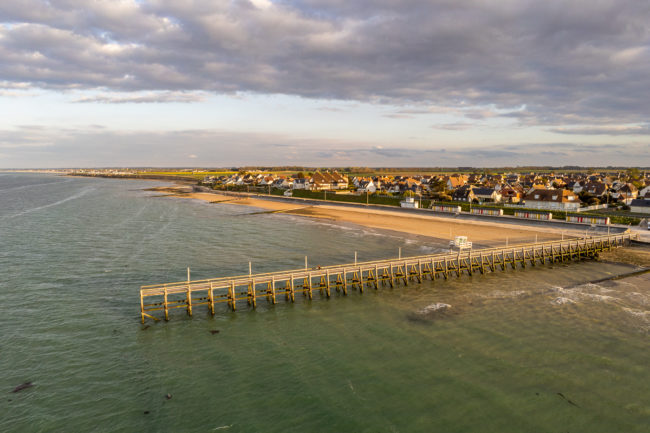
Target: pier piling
x=189 y=294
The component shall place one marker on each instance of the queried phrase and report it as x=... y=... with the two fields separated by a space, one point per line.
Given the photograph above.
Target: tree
x=593 y=201
x=300 y=175
x=633 y=172
x=585 y=196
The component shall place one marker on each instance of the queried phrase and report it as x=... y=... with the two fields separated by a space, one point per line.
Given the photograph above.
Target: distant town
x=615 y=193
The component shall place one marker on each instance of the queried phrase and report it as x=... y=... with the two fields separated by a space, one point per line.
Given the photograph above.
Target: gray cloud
x=579 y=62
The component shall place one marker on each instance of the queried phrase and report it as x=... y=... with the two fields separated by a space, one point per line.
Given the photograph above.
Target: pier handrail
x=183 y=285
x=354 y=276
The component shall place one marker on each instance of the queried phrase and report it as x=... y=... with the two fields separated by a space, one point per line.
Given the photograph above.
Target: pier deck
x=359 y=276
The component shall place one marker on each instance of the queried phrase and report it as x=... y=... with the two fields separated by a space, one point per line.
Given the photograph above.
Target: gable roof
x=554 y=195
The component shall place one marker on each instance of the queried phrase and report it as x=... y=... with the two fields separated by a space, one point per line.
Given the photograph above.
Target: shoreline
x=442 y=229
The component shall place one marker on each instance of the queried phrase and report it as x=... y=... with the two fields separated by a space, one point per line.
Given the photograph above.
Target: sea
x=535 y=350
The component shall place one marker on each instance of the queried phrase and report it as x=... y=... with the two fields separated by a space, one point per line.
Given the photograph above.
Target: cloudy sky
x=324 y=82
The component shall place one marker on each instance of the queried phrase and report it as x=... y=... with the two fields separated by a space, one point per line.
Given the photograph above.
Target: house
x=536 y=186
x=487 y=195
x=455 y=181
x=626 y=193
x=338 y=181
x=511 y=194
x=265 y=181
x=640 y=206
x=367 y=186
x=597 y=189
x=301 y=183
x=320 y=182
x=552 y=199
x=465 y=193
x=283 y=183
x=643 y=192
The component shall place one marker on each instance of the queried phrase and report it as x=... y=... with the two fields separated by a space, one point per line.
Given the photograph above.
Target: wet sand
x=483 y=233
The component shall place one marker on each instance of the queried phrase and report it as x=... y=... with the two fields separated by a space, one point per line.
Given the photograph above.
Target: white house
x=301 y=184
x=552 y=199
x=367 y=186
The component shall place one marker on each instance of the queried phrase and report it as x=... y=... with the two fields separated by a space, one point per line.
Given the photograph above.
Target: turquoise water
x=75 y=251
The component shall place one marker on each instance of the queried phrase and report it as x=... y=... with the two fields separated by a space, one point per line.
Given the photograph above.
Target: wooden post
x=309 y=285
x=292 y=293
x=166 y=307
x=141 y=307
x=392 y=276
x=189 y=294
x=345 y=279
x=253 y=294
x=211 y=299
x=376 y=276
x=233 y=296
x=273 y=289
x=360 y=279
x=327 y=290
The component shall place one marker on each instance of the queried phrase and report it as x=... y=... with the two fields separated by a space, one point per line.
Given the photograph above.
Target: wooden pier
x=273 y=286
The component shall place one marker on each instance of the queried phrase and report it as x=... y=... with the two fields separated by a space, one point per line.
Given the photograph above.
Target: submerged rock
x=438 y=306
x=430 y=312
x=561 y=301
x=23 y=386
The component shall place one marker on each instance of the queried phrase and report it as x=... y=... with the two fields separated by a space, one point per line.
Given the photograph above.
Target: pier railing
x=271 y=286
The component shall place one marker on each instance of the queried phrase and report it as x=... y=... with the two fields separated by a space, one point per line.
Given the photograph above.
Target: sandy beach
x=483 y=233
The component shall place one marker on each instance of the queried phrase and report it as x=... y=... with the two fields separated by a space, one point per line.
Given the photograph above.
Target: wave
x=34 y=209
x=562 y=301
x=498 y=294
x=433 y=308
x=15 y=188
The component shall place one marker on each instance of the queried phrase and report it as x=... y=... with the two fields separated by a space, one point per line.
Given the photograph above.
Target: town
x=623 y=195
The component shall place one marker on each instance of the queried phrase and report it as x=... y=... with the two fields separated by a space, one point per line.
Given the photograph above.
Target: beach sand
x=479 y=232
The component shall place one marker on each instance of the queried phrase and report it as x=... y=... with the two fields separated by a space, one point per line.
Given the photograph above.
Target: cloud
x=39 y=146
x=457 y=126
x=143 y=98
x=397 y=116
x=581 y=62
x=606 y=130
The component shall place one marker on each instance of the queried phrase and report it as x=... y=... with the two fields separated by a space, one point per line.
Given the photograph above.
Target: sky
x=409 y=83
